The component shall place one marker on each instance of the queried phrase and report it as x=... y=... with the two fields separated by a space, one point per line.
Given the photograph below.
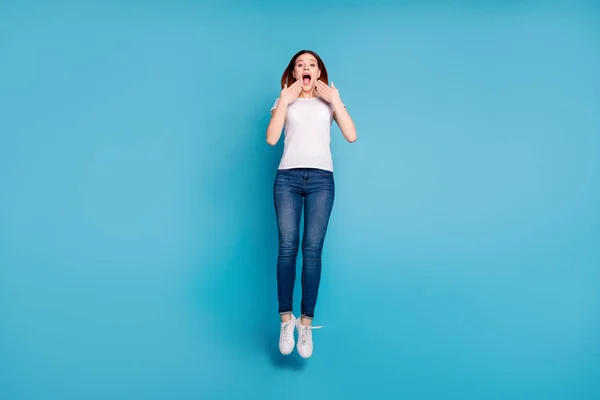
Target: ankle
x=286 y=317
x=305 y=321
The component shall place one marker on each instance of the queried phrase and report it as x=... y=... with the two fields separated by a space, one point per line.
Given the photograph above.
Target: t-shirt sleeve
x=275 y=105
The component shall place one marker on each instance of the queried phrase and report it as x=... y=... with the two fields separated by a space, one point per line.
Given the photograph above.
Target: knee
x=312 y=251
x=288 y=247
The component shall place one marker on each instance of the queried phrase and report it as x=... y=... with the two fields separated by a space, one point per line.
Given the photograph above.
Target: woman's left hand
x=329 y=94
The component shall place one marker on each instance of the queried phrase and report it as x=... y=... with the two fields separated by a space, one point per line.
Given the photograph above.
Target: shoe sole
x=305 y=357
x=287 y=354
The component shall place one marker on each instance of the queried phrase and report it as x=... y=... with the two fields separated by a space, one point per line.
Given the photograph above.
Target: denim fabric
x=294 y=189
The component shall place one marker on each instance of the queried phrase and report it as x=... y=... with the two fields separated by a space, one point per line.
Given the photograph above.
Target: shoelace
x=285 y=332
x=306 y=333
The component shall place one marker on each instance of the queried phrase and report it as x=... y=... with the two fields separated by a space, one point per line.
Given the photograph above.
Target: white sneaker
x=286 y=336
x=305 y=342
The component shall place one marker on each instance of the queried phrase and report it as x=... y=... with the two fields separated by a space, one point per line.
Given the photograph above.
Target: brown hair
x=287 y=77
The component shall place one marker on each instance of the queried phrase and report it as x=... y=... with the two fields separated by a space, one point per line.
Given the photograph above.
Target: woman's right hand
x=290 y=94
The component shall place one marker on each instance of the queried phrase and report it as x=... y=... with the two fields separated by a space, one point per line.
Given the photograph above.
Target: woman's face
x=307 y=70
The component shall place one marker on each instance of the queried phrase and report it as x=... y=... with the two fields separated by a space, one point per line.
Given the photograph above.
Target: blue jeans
x=315 y=190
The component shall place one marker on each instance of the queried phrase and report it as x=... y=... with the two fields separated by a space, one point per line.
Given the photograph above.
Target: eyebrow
x=312 y=59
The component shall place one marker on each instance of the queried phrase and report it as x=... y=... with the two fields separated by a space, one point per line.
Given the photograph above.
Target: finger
x=332 y=84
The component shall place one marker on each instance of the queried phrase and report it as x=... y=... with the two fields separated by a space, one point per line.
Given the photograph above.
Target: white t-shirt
x=307 y=137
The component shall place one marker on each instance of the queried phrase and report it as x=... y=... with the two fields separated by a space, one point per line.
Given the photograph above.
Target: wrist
x=337 y=103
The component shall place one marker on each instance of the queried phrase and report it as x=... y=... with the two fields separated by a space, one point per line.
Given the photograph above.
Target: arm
x=276 y=123
x=287 y=96
x=340 y=114
x=344 y=121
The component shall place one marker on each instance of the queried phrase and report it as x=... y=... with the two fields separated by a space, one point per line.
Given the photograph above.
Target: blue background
x=137 y=234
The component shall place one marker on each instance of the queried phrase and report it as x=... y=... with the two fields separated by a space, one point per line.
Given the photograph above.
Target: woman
x=305 y=110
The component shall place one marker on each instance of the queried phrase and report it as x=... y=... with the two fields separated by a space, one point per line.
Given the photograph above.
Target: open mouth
x=306 y=78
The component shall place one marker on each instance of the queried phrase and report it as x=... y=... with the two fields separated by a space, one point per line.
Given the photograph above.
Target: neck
x=307 y=95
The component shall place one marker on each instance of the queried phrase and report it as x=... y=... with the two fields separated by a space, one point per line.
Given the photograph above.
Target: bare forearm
x=276 y=124
x=344 y=121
